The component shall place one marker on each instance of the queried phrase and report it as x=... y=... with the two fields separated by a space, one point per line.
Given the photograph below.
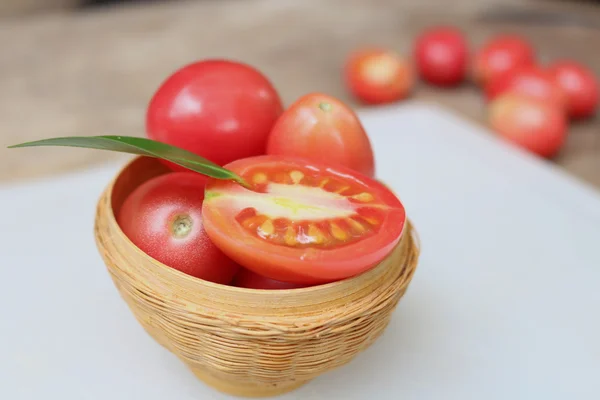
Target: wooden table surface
x=92 y=73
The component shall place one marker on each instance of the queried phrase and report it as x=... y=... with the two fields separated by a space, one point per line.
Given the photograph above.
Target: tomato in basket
x=163 y=218
x=300 y=221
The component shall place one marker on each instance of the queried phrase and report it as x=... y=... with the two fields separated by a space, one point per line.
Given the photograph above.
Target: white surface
x=505 y=303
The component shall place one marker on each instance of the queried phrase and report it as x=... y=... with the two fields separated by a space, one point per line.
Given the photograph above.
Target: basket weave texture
x=251 y=343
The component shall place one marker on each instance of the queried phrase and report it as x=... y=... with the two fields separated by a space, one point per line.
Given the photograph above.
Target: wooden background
x=66 y=71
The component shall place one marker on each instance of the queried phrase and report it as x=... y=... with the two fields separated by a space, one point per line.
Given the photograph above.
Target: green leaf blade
x=144 y=147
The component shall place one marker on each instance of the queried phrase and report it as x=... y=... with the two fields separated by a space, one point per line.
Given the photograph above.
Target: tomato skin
x=531 y=81
x=580 y=85
x=501 y=55
x=300 y=265
x=251 y=280
x=378 y=76
x=219 y=109
x=535 y=125
x=441 y=56
x=147 y=218
x=322 y=128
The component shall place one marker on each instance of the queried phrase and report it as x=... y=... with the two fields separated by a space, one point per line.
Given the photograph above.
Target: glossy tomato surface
x=531 y=81
x=501 y=55
x=537 y=126
x=302 y=222
x=163 y=217
x=219 y=109
x=251 y=280
x=441 y=56
x=378 y=76
x=580 y=86
x=322 y=128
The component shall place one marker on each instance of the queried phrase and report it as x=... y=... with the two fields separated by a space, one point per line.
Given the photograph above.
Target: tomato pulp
x=302 y=222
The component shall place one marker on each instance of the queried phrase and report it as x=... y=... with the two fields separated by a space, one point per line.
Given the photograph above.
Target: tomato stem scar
x=325 y=106
x=182 y=226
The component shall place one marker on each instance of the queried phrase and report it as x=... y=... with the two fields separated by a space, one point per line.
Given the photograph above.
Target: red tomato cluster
x=529 y=104
x=311 y=212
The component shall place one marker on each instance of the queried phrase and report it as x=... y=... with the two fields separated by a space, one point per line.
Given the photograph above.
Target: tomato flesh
x=302 y=222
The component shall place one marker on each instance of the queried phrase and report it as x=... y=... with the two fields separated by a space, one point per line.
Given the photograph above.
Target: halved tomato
x=301 y=221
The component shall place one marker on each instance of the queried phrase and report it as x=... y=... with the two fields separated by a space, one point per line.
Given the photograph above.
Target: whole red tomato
x=322 y=128
x=302 y=221
x=533 y=124
x=219 y=109
x=531 y=81
x=441 y=56
x=378 y=76
x=163 y=217
x=580 y=86
x=251 y=280
x=501 y=55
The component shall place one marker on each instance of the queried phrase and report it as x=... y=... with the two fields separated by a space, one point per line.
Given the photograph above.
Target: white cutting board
x=505 y=303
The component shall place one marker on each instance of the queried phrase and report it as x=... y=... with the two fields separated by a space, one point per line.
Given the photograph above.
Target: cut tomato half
x=302 y=222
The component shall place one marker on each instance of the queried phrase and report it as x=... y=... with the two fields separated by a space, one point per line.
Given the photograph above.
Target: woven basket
x=249 y=343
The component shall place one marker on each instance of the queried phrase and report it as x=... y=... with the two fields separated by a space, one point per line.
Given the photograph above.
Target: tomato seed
x=342 y=189
x=315 y=234
x=338 y=232
x=355 y=225
x=290 y=236
x=371 y=221
x=259 y=178
x=363 y=197
x=324 y=182
x=296 y=176
x=267 y=228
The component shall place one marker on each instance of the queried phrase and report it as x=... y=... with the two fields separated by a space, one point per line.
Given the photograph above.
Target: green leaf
x=144 y=147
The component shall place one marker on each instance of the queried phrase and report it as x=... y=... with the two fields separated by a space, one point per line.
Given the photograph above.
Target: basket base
x=245 y=390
